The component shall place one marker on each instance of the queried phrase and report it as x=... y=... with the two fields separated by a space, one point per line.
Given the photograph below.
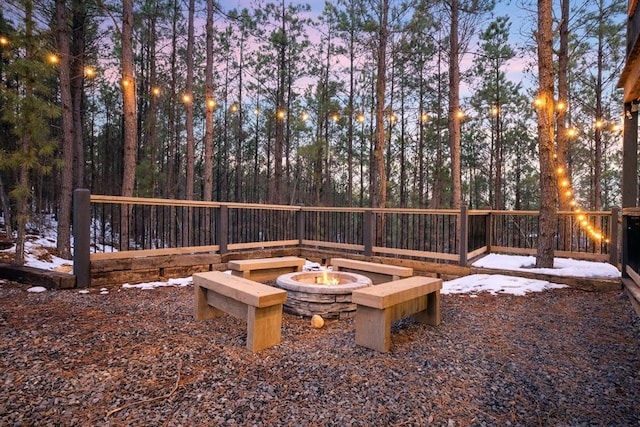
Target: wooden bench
x=378 y=273
x=259 y=305
x=265 y=268
x=377 y=307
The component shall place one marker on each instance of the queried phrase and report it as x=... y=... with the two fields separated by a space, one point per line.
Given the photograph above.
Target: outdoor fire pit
x=327 y=293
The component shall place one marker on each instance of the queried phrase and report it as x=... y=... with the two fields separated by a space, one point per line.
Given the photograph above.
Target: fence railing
x=117 y=227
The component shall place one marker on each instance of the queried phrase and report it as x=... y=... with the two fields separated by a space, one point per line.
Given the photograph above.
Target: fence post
x=368 y=232
x=463 y=244
x=82 y=237
x=489 y=230
x=300 y=226
x=223 y=228
x=613 y=237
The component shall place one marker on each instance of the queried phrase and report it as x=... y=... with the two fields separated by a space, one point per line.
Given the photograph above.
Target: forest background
x=353 y=103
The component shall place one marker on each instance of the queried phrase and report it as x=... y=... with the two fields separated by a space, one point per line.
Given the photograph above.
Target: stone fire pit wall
x=305 y=298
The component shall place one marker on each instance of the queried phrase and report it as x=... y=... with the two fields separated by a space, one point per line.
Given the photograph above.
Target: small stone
x=317 y=321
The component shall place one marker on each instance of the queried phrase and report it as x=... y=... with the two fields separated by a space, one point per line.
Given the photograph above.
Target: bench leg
x=373 y=328
x=431 y=315
x=264 y=327
x=203 y=309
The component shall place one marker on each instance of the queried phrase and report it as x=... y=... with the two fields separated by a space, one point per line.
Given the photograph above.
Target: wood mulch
x=137 y=357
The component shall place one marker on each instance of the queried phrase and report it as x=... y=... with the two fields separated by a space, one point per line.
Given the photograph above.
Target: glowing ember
x=325 y=279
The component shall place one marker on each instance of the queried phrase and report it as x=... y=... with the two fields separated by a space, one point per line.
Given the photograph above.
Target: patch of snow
x=561 y=266
x=496 y=284
x=37 y=289
x=183 y=281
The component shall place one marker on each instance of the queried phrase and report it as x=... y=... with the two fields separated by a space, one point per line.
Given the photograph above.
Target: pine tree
x=27 y=110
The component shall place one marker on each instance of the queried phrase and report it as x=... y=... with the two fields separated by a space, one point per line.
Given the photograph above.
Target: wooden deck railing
x=159 y=226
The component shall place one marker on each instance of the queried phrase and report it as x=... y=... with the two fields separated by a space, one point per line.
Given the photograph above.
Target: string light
x=53 y=58
x=305 y=116
x=495 y=110
x=211 y=103
x=424 y=117
x=155 y=91
x=460 y=114
x=89 y=72
x=561 y=106
x=256 y=111
x=4 y=41
x=538 y=102
x=280 y=114
x=125 y=82
x=234 y=108
x=335 y=117
x=580 y=217
x=186 y=98
x=360 y=118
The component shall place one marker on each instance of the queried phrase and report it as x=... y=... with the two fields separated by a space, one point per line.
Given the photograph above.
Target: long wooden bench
x=262 y=269
x=378 y=273
x=259 y=305
x=377 y=307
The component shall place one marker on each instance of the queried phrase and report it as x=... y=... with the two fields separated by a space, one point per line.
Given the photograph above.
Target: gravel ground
x=136 y=357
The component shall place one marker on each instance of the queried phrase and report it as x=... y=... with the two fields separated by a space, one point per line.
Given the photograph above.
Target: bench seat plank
x=378 y=273
x=243 y=290
x=263 y=263
x=265 y=268
x=392 y=293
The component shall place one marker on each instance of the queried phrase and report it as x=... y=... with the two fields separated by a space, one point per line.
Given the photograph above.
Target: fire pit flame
x=325 y=279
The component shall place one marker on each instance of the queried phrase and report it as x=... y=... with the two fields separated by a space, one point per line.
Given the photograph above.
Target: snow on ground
x=38 y=256
x=183 y=281
x=496 y=284
x=561 y=266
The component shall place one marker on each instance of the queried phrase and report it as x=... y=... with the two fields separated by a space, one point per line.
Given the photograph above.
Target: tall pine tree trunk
x=79 y=18
x=210 y=106
x=276 y=194
x=381 y=84
x=548 y=192
x=66 y=190
x=598 y=167
x=561 y=123
x=189 y=106
x=23 y=192
x=130 y=123
x=454 y=105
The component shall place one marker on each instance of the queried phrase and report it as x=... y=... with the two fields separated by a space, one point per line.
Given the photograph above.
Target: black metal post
x=368 y=231
x=613 y=237
x=300 y=225
x=463 y=244
x=223 y=228
x=82 y=237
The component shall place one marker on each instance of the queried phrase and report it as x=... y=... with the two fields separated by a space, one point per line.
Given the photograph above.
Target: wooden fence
x=112 y=227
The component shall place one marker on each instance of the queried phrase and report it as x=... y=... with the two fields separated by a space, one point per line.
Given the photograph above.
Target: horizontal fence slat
x=345 y=246
x=269 y=244
x=419 y=254
x=153 y=252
